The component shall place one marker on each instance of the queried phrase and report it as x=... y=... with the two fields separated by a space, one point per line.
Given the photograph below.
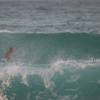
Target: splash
x=11 y=70
x=77 y=63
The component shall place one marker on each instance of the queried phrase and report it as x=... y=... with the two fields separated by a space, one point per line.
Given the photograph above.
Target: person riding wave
x=8 y=54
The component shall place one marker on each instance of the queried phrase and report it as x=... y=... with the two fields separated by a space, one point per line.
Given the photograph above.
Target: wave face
x=50 y=67
x=42 y=48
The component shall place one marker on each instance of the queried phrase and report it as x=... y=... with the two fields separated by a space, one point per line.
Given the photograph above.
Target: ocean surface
x=49 y=17
x=57 y=53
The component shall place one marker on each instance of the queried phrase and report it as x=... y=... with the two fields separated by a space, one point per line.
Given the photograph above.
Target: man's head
x=12 y=49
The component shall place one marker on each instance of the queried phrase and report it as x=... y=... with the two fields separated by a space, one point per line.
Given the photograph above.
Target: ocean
x=57 y=53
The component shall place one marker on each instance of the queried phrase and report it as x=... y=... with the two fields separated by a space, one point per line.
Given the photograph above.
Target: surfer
x=8 y=54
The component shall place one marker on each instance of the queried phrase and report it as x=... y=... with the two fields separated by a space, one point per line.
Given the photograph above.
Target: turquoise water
x=61 y=66
x=34 y=47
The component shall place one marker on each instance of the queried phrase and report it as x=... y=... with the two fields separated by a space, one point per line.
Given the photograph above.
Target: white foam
x=77 y=63
x=8 y=72
x=6 y=31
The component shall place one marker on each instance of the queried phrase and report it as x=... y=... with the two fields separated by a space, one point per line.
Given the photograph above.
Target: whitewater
x=61 y=66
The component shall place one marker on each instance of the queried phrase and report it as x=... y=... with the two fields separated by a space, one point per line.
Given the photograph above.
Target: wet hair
x=11 y=49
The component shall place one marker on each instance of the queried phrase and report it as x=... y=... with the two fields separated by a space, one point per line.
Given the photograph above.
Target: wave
x=10 y=71
x=6 y=31
x=54 y=62
x=46 y=29
x=7 y=71
x=43 y=48
x=35 y=32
